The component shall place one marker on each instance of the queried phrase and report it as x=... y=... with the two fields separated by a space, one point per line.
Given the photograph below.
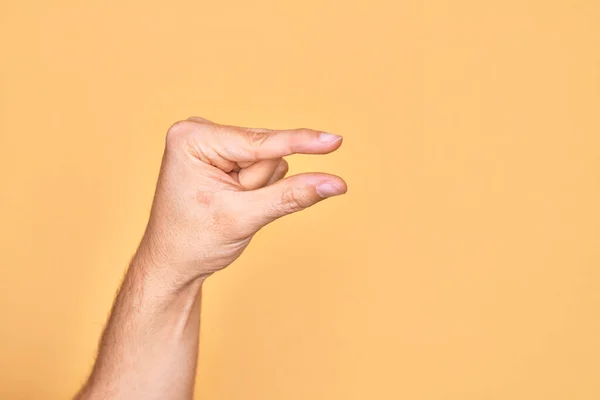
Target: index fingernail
x=329 y=137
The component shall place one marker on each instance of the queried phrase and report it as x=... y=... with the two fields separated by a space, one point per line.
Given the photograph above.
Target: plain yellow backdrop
x=464 y=262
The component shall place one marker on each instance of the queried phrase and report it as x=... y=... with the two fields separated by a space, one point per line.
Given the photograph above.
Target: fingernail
x=329 y=137
x=328 y=189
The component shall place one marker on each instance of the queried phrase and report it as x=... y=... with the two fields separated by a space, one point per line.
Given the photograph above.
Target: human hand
x=219 y=185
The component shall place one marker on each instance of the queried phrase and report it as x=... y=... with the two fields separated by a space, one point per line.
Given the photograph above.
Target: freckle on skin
x=204 y=198
x=222 y=222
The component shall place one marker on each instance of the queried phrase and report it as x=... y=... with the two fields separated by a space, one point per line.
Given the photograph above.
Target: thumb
x=292 y=194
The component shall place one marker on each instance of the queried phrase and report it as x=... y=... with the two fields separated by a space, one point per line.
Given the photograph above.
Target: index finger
x=267 y=144
x=239 y=144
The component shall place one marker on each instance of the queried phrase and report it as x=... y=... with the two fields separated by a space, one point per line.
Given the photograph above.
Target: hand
x=219 y=185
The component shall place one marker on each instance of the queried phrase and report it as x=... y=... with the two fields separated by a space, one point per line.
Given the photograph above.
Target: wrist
x=172 y=263
x=159 y=284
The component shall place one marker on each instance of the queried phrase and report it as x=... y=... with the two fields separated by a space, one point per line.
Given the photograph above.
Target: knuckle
x=304 y=131
x=257 y=136
x=177 y=131
x=293 y=199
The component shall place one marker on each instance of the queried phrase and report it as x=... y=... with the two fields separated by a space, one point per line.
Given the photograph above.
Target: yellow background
x=464 y=263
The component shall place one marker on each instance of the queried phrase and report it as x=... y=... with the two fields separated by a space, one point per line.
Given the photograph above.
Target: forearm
x=150 y=344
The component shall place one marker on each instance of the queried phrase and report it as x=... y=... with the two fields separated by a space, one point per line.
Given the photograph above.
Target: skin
x=218 y=186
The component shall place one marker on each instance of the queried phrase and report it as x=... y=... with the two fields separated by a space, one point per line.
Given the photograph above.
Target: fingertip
x=307 y=141
x=331 y=187
x=326 y=137
x=330 y=141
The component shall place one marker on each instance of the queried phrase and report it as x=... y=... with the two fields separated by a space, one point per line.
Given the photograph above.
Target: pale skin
x=218 y=186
